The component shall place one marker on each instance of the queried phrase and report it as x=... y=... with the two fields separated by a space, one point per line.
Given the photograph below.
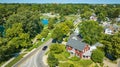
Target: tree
x=57 y=34
x=86 y=14
x=69 y=24
x=44 y=33
x=64 y=28
x=97 y=56
x=24 y=36
x=112 y=46
x=116 y=13
x=30 y=21
x=39 y=36
x=61 y=30
x=51 y=23
x=1 y=31
x=90 y=31
x=101 y=17
x=52 y=61
x=14 y=31
x=56 y=48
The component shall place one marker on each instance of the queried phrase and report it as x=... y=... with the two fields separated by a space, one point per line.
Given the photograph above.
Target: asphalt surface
x=34 y=59
x=119 y=64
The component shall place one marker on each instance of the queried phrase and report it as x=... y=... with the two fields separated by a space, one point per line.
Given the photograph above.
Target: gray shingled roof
x=76 y=44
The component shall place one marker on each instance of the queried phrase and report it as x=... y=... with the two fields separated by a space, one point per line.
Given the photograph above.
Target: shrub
x=67 y=54
x=101 y=64
x=97 y=56
x=85 y=63
x=71 y=65
x=64 y=64
x=57 y=48
x=75 y=58
x=96 y=65
x=39 y=36
x=52 y=61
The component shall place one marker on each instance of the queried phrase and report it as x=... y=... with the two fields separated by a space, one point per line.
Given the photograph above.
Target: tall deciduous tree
x=60 y=30
x=90 y=31
x=112 y=46
x=51 y=23
x=30 y=21
x=14 y=31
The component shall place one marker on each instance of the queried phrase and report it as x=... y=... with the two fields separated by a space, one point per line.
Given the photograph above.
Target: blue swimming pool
x=44 y=21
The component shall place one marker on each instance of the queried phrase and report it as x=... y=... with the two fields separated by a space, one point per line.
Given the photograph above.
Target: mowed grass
x=80 y=63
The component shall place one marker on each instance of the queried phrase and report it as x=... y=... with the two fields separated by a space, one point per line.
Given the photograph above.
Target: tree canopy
x=97 y=56
x=61 y=30
x=112 y=46
x=90 y=31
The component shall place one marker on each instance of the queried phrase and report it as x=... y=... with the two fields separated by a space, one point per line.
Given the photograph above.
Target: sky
x=63 y=1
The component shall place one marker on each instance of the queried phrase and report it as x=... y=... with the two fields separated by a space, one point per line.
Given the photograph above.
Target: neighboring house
x=50 y=14
x=108 y=31
x=106 y=24
x=93 y=17
x=116 y=27
x=111 y=28
x=77 y=21
x=118 y=19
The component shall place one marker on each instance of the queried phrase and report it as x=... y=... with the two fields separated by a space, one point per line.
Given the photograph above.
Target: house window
x=71 y=52
x=86 y=56
x=83 y=56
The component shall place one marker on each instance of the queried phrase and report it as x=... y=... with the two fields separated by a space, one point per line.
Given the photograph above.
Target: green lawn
x=79 y=63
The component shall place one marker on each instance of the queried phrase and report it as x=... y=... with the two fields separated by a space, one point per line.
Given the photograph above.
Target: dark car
x=44 y=48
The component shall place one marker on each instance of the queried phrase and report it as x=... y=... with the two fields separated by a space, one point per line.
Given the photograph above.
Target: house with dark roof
x=78 y=48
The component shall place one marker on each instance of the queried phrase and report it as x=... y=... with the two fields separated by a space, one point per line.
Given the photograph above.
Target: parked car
x=44 y=48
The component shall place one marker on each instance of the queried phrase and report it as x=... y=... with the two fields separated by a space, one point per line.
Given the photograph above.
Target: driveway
x=34 y=59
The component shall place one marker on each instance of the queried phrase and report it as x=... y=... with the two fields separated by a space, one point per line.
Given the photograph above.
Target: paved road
x=34 y=59
x=119 y=64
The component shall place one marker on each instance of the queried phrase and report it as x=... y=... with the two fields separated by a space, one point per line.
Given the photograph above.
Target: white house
x=108 y=31
x=93 y=17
